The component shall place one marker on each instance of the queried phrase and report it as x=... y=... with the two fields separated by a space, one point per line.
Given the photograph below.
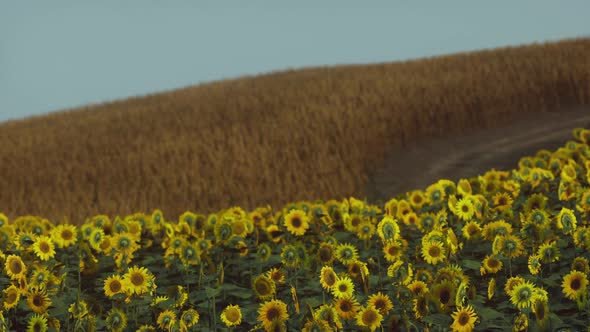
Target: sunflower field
x=506 y=250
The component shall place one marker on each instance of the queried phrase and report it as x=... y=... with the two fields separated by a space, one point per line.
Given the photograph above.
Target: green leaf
x=211 y=292
x=439 y=319
x=471 y=264
x=488 y=314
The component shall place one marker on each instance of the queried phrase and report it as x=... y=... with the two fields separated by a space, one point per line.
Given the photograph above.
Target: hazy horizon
x=66 y=54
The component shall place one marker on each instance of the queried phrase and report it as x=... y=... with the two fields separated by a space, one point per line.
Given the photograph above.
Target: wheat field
x=306 y=134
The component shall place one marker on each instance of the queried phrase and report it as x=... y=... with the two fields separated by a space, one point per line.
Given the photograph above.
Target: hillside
x=315 y=133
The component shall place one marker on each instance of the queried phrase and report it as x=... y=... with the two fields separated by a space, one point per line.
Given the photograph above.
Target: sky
x=57 y=55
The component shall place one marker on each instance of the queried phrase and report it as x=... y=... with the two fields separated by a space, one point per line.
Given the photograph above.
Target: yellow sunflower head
x=381 y=302
x=574 y=283
x=38 y=300
x=166 y=319
x=64 y=235
x=138 y=280
x=343 y=287
x=264 y=287
x=346 y=307
x=369 y=317
x=388 y=229
x=15 y=267
x=190 y=317
x=296 y=222
x=44 y=247
x=37 y=322
x=231 y=315
x=346 y=253
x=434 y=252
x=11 y=297
x=522 y=294
x=272 y=311
x=113 y=285
x=464 y=319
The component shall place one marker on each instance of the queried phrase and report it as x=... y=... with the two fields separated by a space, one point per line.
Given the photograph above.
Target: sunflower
x=491 y=288
x=358 y=270
x=277 y=275
x=427 y=222
x=345 y=253
x=343 y=287
x=38 y=300
x=534 y=264
x=113 y=285
x=11 y=297
x=471 y=230
x=138 y=280
x=418 y=288
x=78 y=309
x=464 y=209
x=240 y=227
x=464 y=188
x=369 y=317
x=190 y=254
x=15 y=268
x=417 y=199
x=540 y=308
x=521 y=323
x=381 y=302
x=328 y=313
x=231 y=315
x=95 y=238
x=443 y=294
x=24 y=240
x=166 y=319
x=290 y=256
x=538 y=217
x=535 y=201
x=420 y=306
x=328 y=277
x=37 y=323
x=125 y=243
x=296 y=222
x=410 y=218
x=190 y=317
x=326 y=253
x=495 y=228
x=403 y=209
x=44 y=247
x=365 y=230
x=346 y=307
x=548 y=252
x=435 y=193
x=392 y=250
x=502 y=201
x=508 y=245
x=522 y=294
x=464 y=319
x=434 y=252
x=491 y=264
x=272 y=311
x=574 y=284
x=316 y=325
x=580 y=264
x=264 y=252
x=566 y=221
x=388 y=229
x=462 y=294
x=64 y=235
x=263 y=287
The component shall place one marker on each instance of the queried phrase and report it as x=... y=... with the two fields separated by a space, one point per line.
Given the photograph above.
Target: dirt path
x=462 y=156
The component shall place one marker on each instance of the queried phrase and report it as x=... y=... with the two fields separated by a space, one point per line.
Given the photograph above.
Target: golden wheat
x=270 y=139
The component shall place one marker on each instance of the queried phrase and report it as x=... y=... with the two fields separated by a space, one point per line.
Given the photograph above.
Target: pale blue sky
x=63 y=54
